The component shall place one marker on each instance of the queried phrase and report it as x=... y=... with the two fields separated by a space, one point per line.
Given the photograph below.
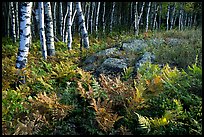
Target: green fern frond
x=144 y=124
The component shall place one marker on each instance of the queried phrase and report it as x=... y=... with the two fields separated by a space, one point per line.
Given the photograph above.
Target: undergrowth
x=59 y=98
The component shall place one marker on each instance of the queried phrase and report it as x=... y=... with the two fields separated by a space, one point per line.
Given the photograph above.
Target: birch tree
x=84 y=33
x=49 y=30
x=112 y=13
x=25 y=34
x=172 y=16
x=69 y=25
x=42 y=30
x=13 y=22
x=141 y=12
x=147 y=17
x=88 y=15
x=64 y=25
x=155 y=16
x=17 y=21
x=131 y=20
x=180 y=18
x=167 y=17
x=60 y=19
x=136 y=19
x=152 y=14
x=103 y=17
x=8 y=20
x=97 y=16
x=54 y=18
x=91 y=18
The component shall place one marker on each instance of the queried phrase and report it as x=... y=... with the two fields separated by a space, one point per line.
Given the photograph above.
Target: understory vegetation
x=59 y=98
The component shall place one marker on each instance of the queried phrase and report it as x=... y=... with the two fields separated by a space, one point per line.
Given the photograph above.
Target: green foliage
x=59 y=98
x=127 y=73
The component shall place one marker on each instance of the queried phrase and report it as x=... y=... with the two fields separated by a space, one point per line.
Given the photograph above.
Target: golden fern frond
x=104 y=114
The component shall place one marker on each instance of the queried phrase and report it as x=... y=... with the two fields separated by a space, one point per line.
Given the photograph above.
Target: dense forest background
x=102 y=68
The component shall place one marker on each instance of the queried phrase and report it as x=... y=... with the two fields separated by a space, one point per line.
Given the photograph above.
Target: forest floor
x=62 y=96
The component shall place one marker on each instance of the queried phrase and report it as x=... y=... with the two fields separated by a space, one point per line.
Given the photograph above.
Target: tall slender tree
x=54 y=18
x=172 y=16
x=141 y=12
x=84 y=33
x=25 y=34
x=64 y=24
x=49 y=30
x=92 y=15
x=103 y=17
x=147 y=17
x=155 y=16
x=69 y=27
x=42 y=30
x=88 y=15
x=136 y=19
x=60 y=19
x=167 y=17
x=97 y=16
x=13 y=22
x=111 y=20
x=17 y=21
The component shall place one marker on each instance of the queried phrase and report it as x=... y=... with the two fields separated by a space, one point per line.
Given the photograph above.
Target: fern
x=127 y=72
x=143 y=124
x=104 y=114
x=98 y=91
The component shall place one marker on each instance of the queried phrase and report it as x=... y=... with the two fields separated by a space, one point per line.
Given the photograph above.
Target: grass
x=59 y=98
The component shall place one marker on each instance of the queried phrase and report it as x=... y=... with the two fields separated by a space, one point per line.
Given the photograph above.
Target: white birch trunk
x=25 y=34
x=91 y=19
x=13 y=22
x=141 y=12
x=69 y=27
x=84 y=33
x=103 y=17
x=155 y=16
x=111 y=21
x=172 y=17
x=167 y=18
x=180 y=18
x=49 y=30
x=136 y=19
x=42 y=30
x=64 y=25
x=8 y=20
x=97 y=16
x=88 y=15
x=60 y=19
x=185 y=20
x=54 y=19
x=17 y=21
x=152 y=15
x=131 y=20
x=147 y=17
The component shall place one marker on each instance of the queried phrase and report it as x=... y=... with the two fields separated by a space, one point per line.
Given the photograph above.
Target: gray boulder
x=102 y=54
x=134 y=46
x=112 y=65
x=146 y=57
x=156 y=41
